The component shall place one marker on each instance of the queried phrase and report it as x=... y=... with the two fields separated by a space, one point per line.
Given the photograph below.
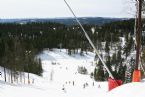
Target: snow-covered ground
x=61 y=79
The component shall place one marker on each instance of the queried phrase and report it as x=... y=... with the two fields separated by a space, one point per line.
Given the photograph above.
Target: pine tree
x=99 y=72
x=109 y=65
x=129 y=71
x=107 y=49
x=129 y=45
x=119 y=58
x=114 y=59
x=121 y=71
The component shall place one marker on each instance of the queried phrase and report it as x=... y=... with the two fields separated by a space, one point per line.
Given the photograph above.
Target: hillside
x=60 y=71
x=60 y=78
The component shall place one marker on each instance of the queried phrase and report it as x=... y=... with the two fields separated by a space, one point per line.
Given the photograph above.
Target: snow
x=135 y=89
x=61 y=79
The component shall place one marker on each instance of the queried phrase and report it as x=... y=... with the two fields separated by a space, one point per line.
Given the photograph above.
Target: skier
x=1 y=74
x=87 y=84
x=84 y=85
x=93 y=83
x=73 y=83
x=99 y=86
x=33 y=81
x=63 y=88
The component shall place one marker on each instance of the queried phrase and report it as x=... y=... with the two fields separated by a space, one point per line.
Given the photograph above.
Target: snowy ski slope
x=61 y=79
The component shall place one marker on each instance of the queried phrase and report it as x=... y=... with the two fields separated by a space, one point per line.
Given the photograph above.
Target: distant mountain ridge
x=67 y=21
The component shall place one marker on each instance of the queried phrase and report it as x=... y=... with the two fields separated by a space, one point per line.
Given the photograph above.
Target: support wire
x=91 y=43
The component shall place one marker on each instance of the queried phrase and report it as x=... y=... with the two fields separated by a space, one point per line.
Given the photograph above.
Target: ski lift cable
x=91 y=43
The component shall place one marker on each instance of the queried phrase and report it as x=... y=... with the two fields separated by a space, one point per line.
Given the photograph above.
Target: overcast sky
x=57 y=8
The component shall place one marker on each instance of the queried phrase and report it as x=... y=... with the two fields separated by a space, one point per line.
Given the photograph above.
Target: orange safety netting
x=136 y=76
x=112 y=83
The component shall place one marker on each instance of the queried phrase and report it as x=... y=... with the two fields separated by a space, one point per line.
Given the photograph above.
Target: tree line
x=21 y=42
